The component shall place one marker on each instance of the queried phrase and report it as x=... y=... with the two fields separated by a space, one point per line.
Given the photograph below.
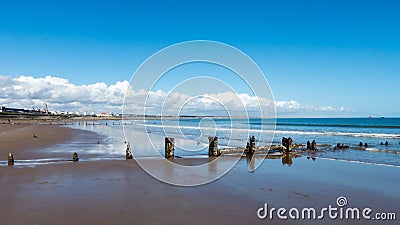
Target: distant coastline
x=25 y=116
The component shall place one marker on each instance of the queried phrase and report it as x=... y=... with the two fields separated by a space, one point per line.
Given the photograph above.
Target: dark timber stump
x=314 y=145
x=213 y=146
x=308 y=145
x=128 y=151
x=252 y=146
x=246 y=150
x=10 y=159
x=75 y=157
x=169 y=147
x=287 y=143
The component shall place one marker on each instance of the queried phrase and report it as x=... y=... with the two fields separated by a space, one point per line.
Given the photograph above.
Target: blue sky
x=324 y=53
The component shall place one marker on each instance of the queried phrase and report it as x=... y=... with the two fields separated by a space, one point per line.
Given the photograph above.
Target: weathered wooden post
x=10 y=159
x=169 y=147
x=75 y=157
x=128 y=151
x=251 y=146
x=246 y=150
x=314 y=145
x=287 y=143
x=308 y=145
x=213 y=146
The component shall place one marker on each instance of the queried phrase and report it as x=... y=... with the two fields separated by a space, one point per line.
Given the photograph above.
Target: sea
x=191 y=135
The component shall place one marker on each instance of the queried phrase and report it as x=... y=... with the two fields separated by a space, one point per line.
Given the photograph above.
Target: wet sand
x=19 y=138
x=120 y=192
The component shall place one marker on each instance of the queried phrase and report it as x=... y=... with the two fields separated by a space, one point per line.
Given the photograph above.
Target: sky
x=320 y=58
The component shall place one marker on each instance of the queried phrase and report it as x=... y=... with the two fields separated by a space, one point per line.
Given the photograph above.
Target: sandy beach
x=118 y=191
x=28 y=140
x=24 y=140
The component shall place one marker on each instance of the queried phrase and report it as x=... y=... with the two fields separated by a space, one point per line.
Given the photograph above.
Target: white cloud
x=60 y=94
x=287 y=104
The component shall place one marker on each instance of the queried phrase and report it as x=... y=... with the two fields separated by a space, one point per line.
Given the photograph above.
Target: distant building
x=17 y=110
x=43 y=110
x=104 y=114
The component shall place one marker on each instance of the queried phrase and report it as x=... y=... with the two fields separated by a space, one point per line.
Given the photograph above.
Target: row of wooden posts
x=170 y=149
x=212 y=148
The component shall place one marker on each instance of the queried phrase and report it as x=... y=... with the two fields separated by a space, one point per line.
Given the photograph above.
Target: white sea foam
x=359 y=162
x=310 y=133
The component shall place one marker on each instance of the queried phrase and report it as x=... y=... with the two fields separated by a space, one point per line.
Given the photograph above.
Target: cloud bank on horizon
x=62 y=95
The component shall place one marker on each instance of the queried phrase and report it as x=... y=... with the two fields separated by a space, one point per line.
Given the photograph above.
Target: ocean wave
x=329 y=125
x=308 y=133
x=349 y=134
x=360 y=162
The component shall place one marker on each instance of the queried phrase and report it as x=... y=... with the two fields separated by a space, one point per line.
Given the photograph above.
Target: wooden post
x=287 y=143
x=213 y=146
x=308 y=145
x=252 y=145
x=314 y=145
x=128 y=151
x=10 y=159
x=75 y=157
x=169 y=147
x=246 y=150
